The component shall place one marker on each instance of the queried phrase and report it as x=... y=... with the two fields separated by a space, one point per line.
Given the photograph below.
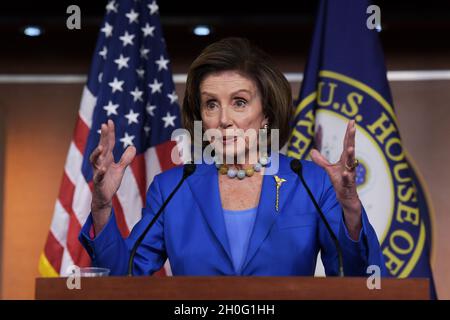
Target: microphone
x=188 y=169
x=296 y=166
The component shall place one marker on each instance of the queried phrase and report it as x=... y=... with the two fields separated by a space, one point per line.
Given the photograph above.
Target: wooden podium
x=231 y=288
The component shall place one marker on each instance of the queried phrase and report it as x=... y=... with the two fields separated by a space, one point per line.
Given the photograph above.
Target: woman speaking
x=239 y=215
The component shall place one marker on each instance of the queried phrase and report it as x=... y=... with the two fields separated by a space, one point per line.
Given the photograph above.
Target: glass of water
x=94 y=272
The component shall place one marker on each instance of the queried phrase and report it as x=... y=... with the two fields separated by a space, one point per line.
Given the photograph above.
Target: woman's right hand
x=107 y=174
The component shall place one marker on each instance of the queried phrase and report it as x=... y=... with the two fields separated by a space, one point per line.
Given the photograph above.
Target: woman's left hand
x=343 y=177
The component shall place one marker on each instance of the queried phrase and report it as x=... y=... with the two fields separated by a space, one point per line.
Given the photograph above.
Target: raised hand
x=107 y=174
x=343 y=177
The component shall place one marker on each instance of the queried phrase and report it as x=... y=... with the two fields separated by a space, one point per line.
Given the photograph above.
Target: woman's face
x=230 y=101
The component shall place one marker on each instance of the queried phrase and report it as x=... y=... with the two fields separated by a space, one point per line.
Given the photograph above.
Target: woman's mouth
x=229 y=140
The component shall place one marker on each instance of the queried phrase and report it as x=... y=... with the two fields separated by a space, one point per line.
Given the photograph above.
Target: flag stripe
x=66 y=263
x=81 y=134
x=60 y=223
x=152 y=165
x=66 y=192
x=164 y=152
x=87 y=105
x=82 y=197
x=120 y=218
x=66 y=199
x=53 y=250
x=139 y=172
x=77 y=252
x=130 y=198
x=74 y=162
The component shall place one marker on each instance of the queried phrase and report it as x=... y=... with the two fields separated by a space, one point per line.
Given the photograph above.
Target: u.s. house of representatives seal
x=387 y=184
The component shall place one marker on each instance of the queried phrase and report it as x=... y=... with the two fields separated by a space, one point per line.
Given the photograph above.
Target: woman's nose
x=225 y=120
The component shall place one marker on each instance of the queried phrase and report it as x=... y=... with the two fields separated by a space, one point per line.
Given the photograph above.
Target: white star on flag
x=153 y=7
x=107 y=30
x=127 y=140
x=132 y=16
x=116 y=85
x=148 y=30
x=143 y=51
x=140 y=71
x=132 y=117
x=104 y=52
x=162 y=63
x=127 y=39
x=172 y=96
x=111 y=6
x=155 y=86
x=146 y=129
x=137 y=94
x=122 y=62
x=150 y=109
x=169 y=120
x=111 y=108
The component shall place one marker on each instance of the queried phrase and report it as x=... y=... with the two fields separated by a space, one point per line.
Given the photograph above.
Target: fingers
x=319 y=159
x=350 y=133
x=104 y=139
x=127 y=157
x=95 y=155
x=348 y=178
x=107 y=136
x=111 y=135
x=349 y=157
x=99 y=174
x=107 y=140
x=344 y=142
x=348 y=153
x=105 y=145
x=101 y=157
x=96 y=160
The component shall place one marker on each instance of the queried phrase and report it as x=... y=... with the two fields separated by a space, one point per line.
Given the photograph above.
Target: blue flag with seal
x=345 y=78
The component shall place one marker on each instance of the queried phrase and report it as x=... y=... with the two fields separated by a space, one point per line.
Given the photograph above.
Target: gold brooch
x=279 y=181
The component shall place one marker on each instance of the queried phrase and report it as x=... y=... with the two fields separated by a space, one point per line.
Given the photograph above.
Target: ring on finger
x=353 y=166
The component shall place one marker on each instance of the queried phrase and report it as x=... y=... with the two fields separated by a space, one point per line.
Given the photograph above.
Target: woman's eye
x=240 y=102
x=211 y=105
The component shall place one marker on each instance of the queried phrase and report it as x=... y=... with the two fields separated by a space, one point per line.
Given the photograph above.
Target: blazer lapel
x=205 y=188
x=267 y=213
x=205 y=180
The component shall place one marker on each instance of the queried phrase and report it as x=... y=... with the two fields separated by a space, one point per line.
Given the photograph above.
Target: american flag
x=130 y=82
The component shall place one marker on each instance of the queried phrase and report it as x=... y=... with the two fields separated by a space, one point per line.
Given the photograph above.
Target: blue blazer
x=191 y=231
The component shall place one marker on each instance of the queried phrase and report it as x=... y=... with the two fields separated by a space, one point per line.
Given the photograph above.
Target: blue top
x=239 y=225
